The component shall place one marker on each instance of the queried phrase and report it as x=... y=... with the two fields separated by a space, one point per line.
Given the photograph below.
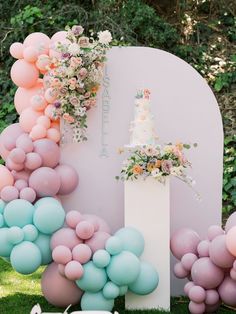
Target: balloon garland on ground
x=209 y=264
x=85 y=262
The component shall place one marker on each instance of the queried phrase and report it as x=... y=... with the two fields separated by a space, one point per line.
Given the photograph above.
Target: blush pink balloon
x=69 y=179
x=180 y=271
x=45 y=121
x=17 y=155
x=98 y=241
x=58 y=36
x=24 y=142
x=219 y=253
x=21 y=175
x=54 y=135
x=188 y=286
x=12 y=132
x=9 y=193
x=50 y=112
x=81 y=253
x=85 y=230
x=99 y=223
x=188 y=260
x=28 y=194
x=66 y=237
x=61 y=269
x=197 y=294
x=51 y=94
x=73 y=217
x=74 y=270
x=6 y=178
x=233 y=274
x=43 y=62
x=45 y=181
x=30 y=54
x=212 y=297
x=30 y=77
x=28 y=119
x=47 y=79
x=62 y=254
x=33 y=161
x=230 y=241
x=23 y=96
x=39 y=41
x=203 y=248
x=38 y=102
x=49 y=152
x=38 y=131
x=227 y=291
x=196 y=308
x=57 y=289
x=16 y=50
x=214 y=231
x=56 y=125
x=231 y=222
x=21 y=184
x=11 y=165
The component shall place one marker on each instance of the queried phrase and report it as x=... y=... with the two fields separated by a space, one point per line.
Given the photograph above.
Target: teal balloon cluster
x=26 y=230
x=115 y=270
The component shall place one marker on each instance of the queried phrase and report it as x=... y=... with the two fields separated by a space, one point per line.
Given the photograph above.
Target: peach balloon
x=230 y=241
x=50 y=112
x=38 y=131
x=24 y=74
x=28 y=119
x=39 y=41
x=43 y=62
x=16 y=50
x=45 y=121
x=30 y=54
x=51 y=95
x=59 y=36
x=47 y=79
x=6 y=177
x=23 y=95
x=38 y=102
x=54 y=135
x=56 y=125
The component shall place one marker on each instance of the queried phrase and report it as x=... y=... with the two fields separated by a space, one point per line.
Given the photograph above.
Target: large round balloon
x=132 y=240
x=19 y=213
x=227 y=291
x=219 y=253
x=66 y=237
x=58 y=290
x=8 y=139
x=49 y=152
x=6 y=178
x=30 y=76
x=39 y=41
x=28 y=119
x=69 y=179
x=96 y=302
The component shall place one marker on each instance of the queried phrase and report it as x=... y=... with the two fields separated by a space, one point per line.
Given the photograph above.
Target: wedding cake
x=142 y=127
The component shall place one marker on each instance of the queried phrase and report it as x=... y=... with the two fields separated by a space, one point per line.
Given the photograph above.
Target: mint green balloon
x=18 y=213
x=43 y=243
x=15 y=235
x=30 y=233
x=49 y=217
x=123 y=290
x=47 y=200
x=132 y=239
x=123 y=268
x=1 y=221
x=5 y=246
x=101 y=258
x=114 y=245
x=26 y=258
x=147 y=280
x=111 y=290
x=95 y=302
x=2 y=206
x=93 y=279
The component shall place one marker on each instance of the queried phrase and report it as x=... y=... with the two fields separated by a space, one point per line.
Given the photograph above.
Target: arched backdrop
x=184 y=108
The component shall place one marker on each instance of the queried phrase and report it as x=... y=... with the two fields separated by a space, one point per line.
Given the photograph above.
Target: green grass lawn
x=19 y=293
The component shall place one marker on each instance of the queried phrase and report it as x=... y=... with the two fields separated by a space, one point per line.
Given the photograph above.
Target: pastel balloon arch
x=85 y=263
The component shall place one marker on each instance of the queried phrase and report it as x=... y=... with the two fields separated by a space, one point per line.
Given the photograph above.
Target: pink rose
x=75 y=61
x=166 y=166
x=83 y=72
x=84 y=42
x=74 y=101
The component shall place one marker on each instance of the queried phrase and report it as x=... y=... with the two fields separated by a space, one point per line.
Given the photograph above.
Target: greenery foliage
x=201 y=32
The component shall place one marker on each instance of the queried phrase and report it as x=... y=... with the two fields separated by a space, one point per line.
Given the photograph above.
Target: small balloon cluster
x=26 y=230
x=209 y=264
x=88 y=259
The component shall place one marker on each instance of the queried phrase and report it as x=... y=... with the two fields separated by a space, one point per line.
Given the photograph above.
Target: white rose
x=104 y=37
x=74 y=49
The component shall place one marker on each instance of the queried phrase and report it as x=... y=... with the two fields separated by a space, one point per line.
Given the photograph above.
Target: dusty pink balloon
x=227 y=291
x=233 y=274
x=212 y=308
x=69 y=179
x=17 y=155
x=203 y=248
x=39 y=41
x=38 y=131
x=74 y=270
x=197 y=294
x=184 y=241
x=62 y=255
x=61 y=269
x=30 y=77
x=231 y=222
x=188 y=286
x=13 y=166
x=196 y=308
x=230 y=241
x=212 y=297
x=180 y=271
x=188 y=260
x=206 y=274
x=73 y=217
x=81 y=253
x=9 y=193
x=49 y=152
x=57 y=289
x=219 y=253
x=24 y=142
x=85 y=230
x=45 y=181
x=21 y=175
x=66 y=237
x=21 y=184
x=98 y=241
x=33 y=161
x=11 y=132
x=59 y=36
x=28 y=194
x=99 y=223
x=214 y=231
x=16 y=50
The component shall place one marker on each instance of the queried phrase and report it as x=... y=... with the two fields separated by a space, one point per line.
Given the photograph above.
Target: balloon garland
x=85 y=262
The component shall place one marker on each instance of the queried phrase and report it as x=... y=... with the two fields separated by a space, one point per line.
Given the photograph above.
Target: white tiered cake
x=142 y=127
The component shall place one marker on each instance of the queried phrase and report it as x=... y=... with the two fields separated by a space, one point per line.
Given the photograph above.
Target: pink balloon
x=59 y=36
x=203 y=248
x=61 y=269
x=23 y=96
x=69 y=179
x=197 y=294
x=50 y=112
x=45 y=181
x=39 y=41
x=212 y=297
x=231 y=222
x=38 y=102
x=97 y=241
x=28 y=119
x=81 y=253
x=74 y=270
x=227 y=291
x=99 y=223
x=12 y=132
x=38 y=131
x=219 y=253
x=30 y=77
x=49 y=152
x=28 y=194
x=54 y=135
x=21 y=184
x=47 y=79
x=180 y=271
x=43 y=62
x=16 y=50
x=45 y=121
x=233 y=274
x=24 y=175
x=85 y=230
x=206 y=274
x=188 y=286
x=33 y=161
x=57 y=289
x=17 y=155
x=56 y=125
x=73 y=217
x=6 y=178
x=66 y=237
x=9 y=193
x=30 y=54
x=184 y=241
x=188 y=260
x=24 y=142
x=214 y=231
x=51 y=95
x=196 y=308
x=11 y=165
x=230 y=241
x=62 y=254
x=212 y=308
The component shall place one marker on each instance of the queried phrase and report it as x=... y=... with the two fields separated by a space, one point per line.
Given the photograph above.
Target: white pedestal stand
x=147 y=208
